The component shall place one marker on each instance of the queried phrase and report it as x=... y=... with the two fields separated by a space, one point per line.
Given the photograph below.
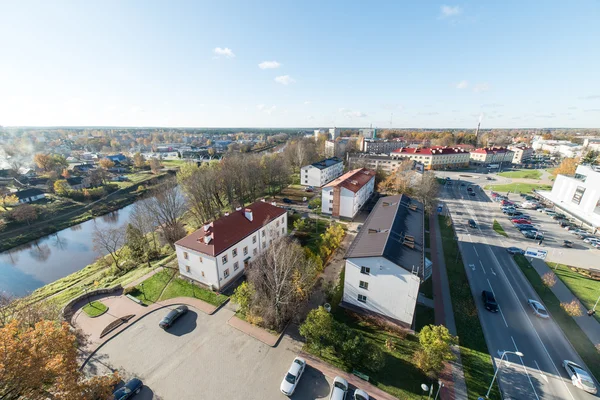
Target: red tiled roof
x=435 y=150
x=491 y=150
x=353 y=180
x=229 y=230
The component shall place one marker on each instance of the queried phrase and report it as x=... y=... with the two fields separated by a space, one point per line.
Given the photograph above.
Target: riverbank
x=68 y=217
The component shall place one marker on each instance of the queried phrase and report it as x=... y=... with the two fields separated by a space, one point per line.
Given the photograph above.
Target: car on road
x=514 y=213
x=172 y=316
x=489 y=302
x=130 y=389
x=360 y=394
x=339 y=389
x=508 y=210
x=579 y=377
x=291 y=379
x=559 y=216
x=538 y=309
x=286 y=200
x=472 y=223
x=515 y=250
x=525 y=216
x=592 y=241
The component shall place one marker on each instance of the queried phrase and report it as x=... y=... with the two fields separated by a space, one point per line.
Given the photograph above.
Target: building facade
x=339 y=147
x=436 y=157
x=379 y=146
x=562 y=148
x=29 y=195
x=218 y=253
x=491 y=155
x=368 y=133
x=385 y=263
x=388 y=164
x=345 y=196
x=521 y=153
x=322 y=172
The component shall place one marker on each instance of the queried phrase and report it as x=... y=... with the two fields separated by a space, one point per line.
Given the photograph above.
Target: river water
x=28 y=267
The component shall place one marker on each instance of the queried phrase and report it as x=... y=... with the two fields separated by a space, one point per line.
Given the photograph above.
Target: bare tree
x=25 y=213
x=109 y=240
x=167 y=206
x=142 y=220
x=426 y=190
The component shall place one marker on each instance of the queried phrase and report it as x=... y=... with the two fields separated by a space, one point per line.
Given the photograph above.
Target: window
x=236 y=265
x=255 y=251
x=330 y=208
x=262 y=233
x=277 y=224
x=362 y=299
x=200 y=257
x=282 y=220
x=185 y=255
x=363 y=285
x=283 y=231
x=254 y=239
x=224 y=259
x=226 y=273
x=246 y=250
x=578 y=194
x=365 y=270
x=331 y=201
x=187 y=268
x=202 y=274
x=234 y=252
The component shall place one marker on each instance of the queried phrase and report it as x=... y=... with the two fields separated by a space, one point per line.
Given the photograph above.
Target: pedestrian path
x=588 y=325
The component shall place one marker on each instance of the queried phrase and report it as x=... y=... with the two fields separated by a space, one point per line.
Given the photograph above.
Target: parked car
x=525 y=216
x=531 y=234
x=339 y=389
x=472 y=223
x=568 y=243
x=489 y=301
x=172 y=316
x=563 y=224
x=130 y=389
x=550 y=213
x=291 y=379
x=514 y=213
x=523 y=194
x=462 y=184
x=360 y=394
x=309 y=189
x=521 y=221
x=579 y=377
x=515 y=250
x=526 y=227
x=538 y=309
x=286 y=200
x=508 y=210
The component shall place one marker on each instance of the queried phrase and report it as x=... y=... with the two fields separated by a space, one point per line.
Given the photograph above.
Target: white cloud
x=266 y=109
x=462 y=85
x=591 y=97
x=136 y=109
x=351 y=113
x=592 y=110
x=481 y=87
x=310 y=118
x=269 y=65
x=306 y=102
x=450 y=11
x=285 y=79
x=225 y=52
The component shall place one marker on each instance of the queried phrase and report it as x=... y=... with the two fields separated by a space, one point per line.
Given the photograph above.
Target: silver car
x=580 y=377
x=360 y=394
x=291 y=379
x=538 y=308
x=339 y=390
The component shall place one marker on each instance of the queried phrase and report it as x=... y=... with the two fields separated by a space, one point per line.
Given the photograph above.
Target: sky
x=401 y=64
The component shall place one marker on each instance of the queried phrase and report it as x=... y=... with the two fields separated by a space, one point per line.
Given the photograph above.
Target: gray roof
x=328 y=162
x=394 y=230
x=24 y=194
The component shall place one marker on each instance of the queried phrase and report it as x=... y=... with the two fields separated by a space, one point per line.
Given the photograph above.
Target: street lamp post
x=517 y=353
x=143 y=292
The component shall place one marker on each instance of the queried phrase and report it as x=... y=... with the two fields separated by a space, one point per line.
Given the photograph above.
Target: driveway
x=203 y=357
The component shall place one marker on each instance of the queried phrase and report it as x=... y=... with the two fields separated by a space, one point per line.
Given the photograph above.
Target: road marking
x=493 y=273
x=472 y=266
x=541 y=372
x=499 y=308
x=482 y=267
x=475 y=251
x=525 y=368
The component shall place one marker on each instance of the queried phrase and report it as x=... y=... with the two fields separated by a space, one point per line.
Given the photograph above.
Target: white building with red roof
x=343 y=197
x=217 y=254
x=435 y=157
x=491 y=155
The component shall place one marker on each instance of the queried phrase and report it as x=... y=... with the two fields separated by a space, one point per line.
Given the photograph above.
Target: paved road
x=539 y=373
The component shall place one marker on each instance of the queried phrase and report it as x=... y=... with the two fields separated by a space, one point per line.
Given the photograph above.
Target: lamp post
x=441 y=385
x=143 y=292
x=517 y=353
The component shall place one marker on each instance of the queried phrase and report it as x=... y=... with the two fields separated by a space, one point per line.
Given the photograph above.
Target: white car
x=339 y=389
x=591 y=240
x=538 y=308
x=580 y=377
x=289 y=383
x=360 y=394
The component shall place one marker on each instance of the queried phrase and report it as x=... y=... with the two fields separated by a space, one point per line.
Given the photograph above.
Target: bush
x=131 y=290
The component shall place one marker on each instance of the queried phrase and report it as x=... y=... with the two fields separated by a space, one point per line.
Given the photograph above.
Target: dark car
x=462 y=184
x=472 y=223
x=515 y=250
x=526 y=227
x=130 y=389
x=532 y=234
x=489 y=301
x=563 y=223
x=286 y=200
x=172 y=316
x=559 y=217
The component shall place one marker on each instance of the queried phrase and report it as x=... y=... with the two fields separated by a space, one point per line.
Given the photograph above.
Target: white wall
x=350 y=202
x=565 y=186
x=320 y=177
x=199 y=264
x=326 y=196
x=392 y=290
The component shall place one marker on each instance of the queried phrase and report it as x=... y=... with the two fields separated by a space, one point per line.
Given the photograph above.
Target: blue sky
x=343 y=63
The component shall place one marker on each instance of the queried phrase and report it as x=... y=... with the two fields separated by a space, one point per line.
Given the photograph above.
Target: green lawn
x=573 y=332
x=174 y=163
x=477 y=363
x=165 y=285
x=517 y=187
x=522 y=173
x=498 y=228
x=585 y=289
x=311 y=237
x=95 y=309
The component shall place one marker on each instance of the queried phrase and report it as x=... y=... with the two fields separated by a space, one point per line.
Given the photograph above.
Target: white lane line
x=475 y=251
x=525 y=368
x=499 y=308
x=541 y=372
x=480 y=262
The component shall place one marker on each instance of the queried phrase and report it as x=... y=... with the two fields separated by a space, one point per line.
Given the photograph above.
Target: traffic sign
x=536 y=253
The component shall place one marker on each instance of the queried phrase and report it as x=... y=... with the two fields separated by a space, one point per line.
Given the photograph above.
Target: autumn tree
x=591 y=157
x=566 y=167
x=155 y=165
x=106 y=163
x=166 y=206
x=138 y=160
x=66 y=173
x=141 y=220
x=8 y=198
x=43 y=161
x=109 y=240
x=572 y=308
x=61 y=187
x=41 y=362
x=138 y=244
x=318 y=328
x=549 y=279
x=435 y=348
x=25 y=213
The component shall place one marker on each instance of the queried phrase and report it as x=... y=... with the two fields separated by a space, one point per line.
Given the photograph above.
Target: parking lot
x=201 y=356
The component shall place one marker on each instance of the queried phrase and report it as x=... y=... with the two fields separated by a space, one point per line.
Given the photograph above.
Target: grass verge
x=522 y=173
x=584 y=288
x=580 y=342
x=499 y=230
x=95 y=309
x=518 y=187
x=476 y=361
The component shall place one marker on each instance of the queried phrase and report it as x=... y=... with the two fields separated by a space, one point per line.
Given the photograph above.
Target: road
x=539 y=373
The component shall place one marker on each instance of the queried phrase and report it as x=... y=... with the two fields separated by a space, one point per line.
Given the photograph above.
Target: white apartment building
x=385 y=263
x=521 y=154
x=563 y=148
x=388 y=164
x=379 y=146
x=436 y=157
x=491 y=155
x=322 y=172
x=332 y=133
x=217 y=254
x=578 y=195
x=343 y=197
x=339 y=147
x=368 y=133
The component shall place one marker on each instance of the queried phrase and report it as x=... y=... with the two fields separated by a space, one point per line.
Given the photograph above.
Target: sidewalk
x=453 y=377
x=588 y=325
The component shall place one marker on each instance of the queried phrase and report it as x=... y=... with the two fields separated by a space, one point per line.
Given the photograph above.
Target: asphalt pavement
x=539 y=373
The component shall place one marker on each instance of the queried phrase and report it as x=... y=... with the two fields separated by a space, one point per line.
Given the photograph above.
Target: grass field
x=517 y=187
x=95 y=309
x=522 y=173
x=584 y=347
x=477 y=363
x=498 y=228
x=585 y=289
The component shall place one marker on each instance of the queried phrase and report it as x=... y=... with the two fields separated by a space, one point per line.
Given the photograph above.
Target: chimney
x=263 y=200
x=238 y=208
x=227 y=214
x=274 y=203
x=248 y=214
x=208 y=239
x=207 y=227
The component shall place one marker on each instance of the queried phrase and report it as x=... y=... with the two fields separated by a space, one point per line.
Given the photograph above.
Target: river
x=37 y=263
